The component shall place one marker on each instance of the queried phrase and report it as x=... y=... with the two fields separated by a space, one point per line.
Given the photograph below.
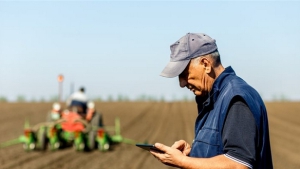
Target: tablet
x=149 y=147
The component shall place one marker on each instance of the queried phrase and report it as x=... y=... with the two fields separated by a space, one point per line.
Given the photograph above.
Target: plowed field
x=145 y=121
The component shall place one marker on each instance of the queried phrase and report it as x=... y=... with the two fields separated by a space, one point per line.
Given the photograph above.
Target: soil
x=140 y=121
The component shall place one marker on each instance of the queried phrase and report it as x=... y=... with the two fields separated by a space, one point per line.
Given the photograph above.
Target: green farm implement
x=70 y=131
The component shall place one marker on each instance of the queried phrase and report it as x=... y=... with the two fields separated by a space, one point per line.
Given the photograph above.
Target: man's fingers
x=161 y=147
x=178 y=144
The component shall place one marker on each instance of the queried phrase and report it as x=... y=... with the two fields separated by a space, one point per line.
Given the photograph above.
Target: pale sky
x=120 y=47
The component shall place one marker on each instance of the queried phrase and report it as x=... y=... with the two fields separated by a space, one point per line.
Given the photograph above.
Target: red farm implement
x=70 y=131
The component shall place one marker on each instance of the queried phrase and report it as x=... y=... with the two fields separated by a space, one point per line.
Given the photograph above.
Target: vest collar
x=218 y=85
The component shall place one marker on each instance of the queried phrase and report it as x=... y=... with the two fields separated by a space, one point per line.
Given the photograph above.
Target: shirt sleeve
x=239 y=134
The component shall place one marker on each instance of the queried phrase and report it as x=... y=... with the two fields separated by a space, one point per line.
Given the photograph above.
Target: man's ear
x=206 y=65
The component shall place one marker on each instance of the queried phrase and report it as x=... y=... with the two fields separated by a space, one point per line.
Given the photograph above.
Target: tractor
x=70 y=129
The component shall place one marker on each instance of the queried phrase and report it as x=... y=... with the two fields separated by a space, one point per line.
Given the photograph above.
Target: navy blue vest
x=212 y=114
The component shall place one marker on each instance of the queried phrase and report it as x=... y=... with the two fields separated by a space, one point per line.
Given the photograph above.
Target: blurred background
x=117 y=49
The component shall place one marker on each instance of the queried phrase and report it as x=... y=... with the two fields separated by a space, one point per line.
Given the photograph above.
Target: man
x=93 y=116
x=78 y=100
x=55 y=113
x=231 y=130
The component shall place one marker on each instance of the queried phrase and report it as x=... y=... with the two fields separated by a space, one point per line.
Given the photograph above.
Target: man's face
x=195 y=78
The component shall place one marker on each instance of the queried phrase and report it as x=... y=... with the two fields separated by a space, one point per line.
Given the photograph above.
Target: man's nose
x=182 y=82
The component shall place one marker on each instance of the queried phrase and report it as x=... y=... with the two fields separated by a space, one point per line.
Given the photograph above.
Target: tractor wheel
x=103 y=147
x=54 y=146
x=29 y=147
x=97 y=120
x=42 y=139
x=79 y=147
x=91 y=140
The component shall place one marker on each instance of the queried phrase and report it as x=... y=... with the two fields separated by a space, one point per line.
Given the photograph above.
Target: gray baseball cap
x=186 y=48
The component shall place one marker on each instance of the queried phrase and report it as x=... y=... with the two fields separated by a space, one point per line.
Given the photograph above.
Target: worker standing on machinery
x=55 y=113
x=78 y=102
x=90 y=110
x=92 y=116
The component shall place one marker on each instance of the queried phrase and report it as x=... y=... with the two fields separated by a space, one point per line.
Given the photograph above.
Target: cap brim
x=173 y=69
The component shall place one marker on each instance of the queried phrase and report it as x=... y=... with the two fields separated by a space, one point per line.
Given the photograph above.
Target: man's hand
x=172 y=156
x=183 y=146
x=176 y=156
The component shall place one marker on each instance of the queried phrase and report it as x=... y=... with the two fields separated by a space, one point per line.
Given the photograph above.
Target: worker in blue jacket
x=231 y=130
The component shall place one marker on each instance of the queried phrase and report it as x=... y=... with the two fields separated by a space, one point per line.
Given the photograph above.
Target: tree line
x=109 y=98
